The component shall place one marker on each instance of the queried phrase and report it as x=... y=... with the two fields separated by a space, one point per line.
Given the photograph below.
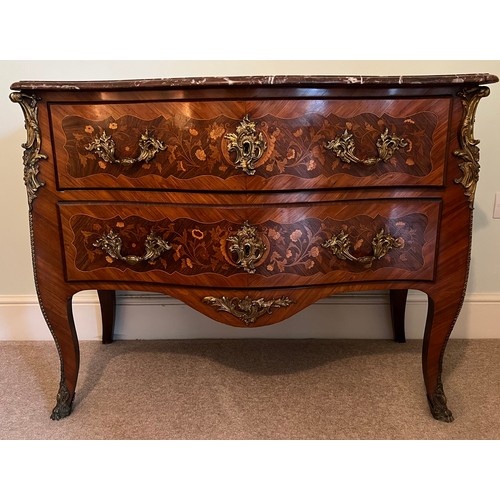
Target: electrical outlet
x=496 y=210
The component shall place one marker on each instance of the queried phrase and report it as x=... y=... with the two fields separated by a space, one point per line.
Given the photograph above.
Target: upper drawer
x=281 y=144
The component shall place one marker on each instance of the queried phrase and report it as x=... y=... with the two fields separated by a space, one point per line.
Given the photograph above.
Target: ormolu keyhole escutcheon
x=247 y=144
x=247 y=246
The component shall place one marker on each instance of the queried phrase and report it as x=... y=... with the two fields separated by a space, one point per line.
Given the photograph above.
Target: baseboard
x=154 y=316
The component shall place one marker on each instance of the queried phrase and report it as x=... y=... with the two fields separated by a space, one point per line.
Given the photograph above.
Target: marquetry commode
x=251 y=198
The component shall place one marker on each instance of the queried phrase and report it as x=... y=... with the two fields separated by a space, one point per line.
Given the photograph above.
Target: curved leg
x=58 y=313
x=441 y=316
x=398 y=306
x=107 y=300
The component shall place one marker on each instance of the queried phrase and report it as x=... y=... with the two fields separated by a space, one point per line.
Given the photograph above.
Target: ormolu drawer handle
x=340 y=246
x=249 y=146
x=104 y=147
x=111 y=243
x=343 y=146
x=247 y=309
x=248 y=247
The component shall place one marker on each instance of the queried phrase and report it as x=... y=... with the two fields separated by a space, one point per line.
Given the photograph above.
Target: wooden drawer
x=284 y=144
x=244 y=246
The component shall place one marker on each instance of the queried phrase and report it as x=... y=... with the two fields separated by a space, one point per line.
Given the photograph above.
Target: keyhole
x=246 y=148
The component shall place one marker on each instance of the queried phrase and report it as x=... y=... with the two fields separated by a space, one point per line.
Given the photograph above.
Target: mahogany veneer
x=250 y=198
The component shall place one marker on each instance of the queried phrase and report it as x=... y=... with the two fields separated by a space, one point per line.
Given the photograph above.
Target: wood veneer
x=390 y=210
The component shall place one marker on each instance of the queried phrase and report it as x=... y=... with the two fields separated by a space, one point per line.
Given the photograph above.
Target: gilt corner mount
x=33 y=143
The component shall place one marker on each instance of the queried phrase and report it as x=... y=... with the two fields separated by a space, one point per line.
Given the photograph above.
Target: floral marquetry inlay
x=297 y=248
x=249 y=199
x=188 y=147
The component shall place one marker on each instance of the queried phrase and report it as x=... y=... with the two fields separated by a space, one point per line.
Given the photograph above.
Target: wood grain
x=296 y=133
x=80 y=199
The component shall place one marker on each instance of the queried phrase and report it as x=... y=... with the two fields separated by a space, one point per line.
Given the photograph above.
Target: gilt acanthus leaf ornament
x=33 y=144
x=469 y=151
x=105 y=148
x=248 y=146
x=382 y=243
x=247 y=246
x=111 y=244
x=247 y=309
x=343 y=146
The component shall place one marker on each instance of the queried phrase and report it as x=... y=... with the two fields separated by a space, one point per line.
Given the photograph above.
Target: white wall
x=16 y=282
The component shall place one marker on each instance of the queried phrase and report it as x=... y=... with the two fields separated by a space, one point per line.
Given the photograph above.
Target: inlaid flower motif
x=216 y=131
x=311 y=165
x=196 y=233
x=102 y=165
x=113 y=126
x=193 y=131
x=120 y=224
x=314 y=252
x=275 y=235
x=309 y=264
x=295 y=236
x=288 y=254
x=89 y=129
x=201 y=155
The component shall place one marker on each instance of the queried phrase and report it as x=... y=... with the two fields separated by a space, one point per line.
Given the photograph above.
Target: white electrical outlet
x=496 y=210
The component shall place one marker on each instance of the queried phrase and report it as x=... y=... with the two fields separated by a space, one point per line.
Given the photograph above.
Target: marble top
x=279 y=80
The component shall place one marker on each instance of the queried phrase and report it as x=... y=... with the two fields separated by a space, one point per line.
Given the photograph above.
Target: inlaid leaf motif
x=294 y=146
x=295 y=248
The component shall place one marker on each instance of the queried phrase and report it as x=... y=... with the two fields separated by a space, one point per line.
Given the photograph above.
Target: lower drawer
x=248 y=246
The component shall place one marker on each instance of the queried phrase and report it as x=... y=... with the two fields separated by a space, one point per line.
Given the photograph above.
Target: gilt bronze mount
x=343 y=146
x=247 y=246
x=340 y=245
x=111 y=243
x=247 y=309
x=248 y=146
x=104 y=147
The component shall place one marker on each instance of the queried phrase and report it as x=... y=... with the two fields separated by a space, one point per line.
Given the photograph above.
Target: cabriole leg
x=441 y=317
x=58 y=313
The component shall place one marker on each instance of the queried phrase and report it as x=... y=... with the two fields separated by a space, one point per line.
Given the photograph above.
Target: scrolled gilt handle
x=154 y=246
x=382 y=243
x=248 y=247
x=248 y=146
x=343 y=146
x=104 y=146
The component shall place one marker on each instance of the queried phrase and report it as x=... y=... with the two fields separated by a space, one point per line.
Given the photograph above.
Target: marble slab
x=278 y=81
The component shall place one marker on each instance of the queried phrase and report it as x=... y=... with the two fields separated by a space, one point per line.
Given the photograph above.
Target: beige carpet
x=249 y=389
